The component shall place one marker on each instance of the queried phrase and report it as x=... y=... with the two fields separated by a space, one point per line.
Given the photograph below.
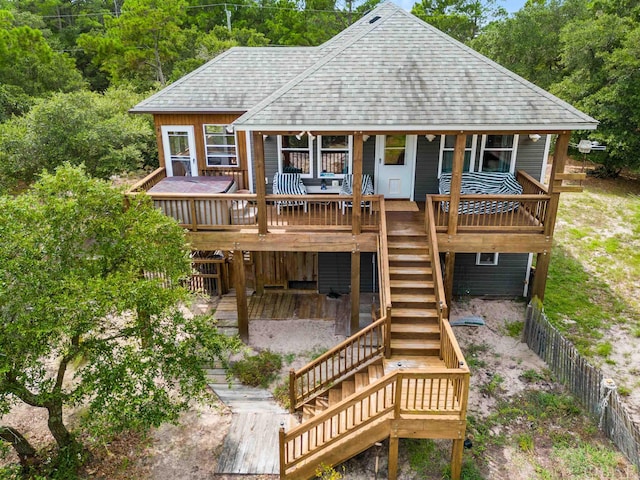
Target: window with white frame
x=334 y=155
x=295 y=155
x=447 y=144
x=220 y=146
x=498 y=153
x=487 y=258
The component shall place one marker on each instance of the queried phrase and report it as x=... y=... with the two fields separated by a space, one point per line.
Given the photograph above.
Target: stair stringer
x=344 y=449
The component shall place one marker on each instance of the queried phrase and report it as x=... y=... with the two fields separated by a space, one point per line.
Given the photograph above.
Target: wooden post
x=292 y=391
x=393 y=457
x=283 y=457
x=544 y=258
x=259 y=273
x=456 y=458
x=356 y=211
x=241 y=295
x=449 y=265
x=261 y=190
x=355 y=291
x=456 y=182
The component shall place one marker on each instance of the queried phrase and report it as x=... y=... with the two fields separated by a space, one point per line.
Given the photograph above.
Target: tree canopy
x=89 y=308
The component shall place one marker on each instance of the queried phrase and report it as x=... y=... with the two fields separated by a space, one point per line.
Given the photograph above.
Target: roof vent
x=374 y=19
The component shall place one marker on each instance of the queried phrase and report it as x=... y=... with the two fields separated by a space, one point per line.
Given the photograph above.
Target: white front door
x=395 y=165
x=179 y=151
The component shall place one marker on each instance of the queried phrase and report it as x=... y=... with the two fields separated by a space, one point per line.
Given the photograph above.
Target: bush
x=257 y=370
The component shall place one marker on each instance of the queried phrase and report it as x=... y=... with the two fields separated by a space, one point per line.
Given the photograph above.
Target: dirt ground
x=188 y=450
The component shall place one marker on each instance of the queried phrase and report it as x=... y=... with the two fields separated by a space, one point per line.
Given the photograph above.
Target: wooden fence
x=586 y=382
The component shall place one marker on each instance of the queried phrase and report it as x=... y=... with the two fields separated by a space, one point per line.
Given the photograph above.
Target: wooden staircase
x=414 y=318
x=343 y=390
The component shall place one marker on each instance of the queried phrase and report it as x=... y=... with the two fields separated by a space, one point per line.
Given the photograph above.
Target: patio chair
x=289 y=184
x=347 y=189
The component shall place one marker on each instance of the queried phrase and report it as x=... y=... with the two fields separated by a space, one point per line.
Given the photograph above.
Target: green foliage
x=525 y=442
x=79 y=128
x=327 y=472
x=281 y=394
x=514 y=329
x=494 y=386
x=257 y=370
x=604 y=349
x=462 y=19
x=73 y=285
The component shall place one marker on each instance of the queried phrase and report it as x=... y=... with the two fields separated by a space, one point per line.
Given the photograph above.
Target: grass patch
x=514 y=329
x=257 y=370
x=494 y=386
x=586 y=461
x=604 y=349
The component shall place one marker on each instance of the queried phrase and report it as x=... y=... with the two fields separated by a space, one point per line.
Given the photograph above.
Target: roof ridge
x=495 y=65
x=321 y=62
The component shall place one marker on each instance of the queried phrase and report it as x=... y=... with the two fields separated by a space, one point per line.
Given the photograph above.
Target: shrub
x=257 y=370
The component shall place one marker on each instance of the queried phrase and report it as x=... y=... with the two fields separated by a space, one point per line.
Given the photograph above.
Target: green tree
x=600 y=57
x=28 y=63
x=462 y=19
x=89 y=295
x=80 y=128
x=142 y=43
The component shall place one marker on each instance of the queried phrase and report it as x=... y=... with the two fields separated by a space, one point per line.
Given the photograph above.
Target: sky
x=510 y=5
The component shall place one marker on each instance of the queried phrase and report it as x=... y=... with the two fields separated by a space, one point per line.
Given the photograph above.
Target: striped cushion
x=484 y=183
x=347 y=185
x=289 y=184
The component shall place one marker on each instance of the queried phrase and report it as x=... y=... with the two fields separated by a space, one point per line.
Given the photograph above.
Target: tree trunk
x=56 y=425
x=26 y=453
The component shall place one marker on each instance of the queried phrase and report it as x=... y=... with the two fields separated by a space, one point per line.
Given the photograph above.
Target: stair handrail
x=384 y=279
x=383 y=397
x=434 y=252
x=320 y=374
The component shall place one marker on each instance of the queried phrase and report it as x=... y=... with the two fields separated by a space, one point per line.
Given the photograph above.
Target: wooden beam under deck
x=493 y=242
x=283 y=241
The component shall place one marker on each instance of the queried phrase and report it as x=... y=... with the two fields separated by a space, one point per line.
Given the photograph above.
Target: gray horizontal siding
x=427 y=157
x=530 y=156
x=503 y=280
x=334 y=272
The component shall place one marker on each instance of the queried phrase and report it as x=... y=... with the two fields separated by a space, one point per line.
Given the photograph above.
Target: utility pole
x=228 y=12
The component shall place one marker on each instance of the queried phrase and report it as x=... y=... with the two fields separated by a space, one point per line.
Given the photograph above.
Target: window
x=394 y=149
x=220 y=146
x=295 y=155
x=334 y=155
x=498 y=153
x=488 y=258
x=447 y=144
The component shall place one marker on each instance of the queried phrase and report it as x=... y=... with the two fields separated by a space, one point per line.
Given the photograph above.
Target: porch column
x=392 y=473
x=355 y=292
x=456 y=182
x=555 y=185
x=356 y=219
x=456 y=458
x=259 y=273
x=241 y=295
x=261 y=190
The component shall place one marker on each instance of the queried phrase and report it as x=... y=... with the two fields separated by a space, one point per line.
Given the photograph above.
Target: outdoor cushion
x=483 y=183
x=347 y=188
x=289 y=184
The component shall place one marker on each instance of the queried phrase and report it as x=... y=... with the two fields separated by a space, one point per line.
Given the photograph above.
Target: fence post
x=292 y=391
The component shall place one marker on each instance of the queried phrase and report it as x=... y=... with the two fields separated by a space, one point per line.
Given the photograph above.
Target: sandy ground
x=188 y=450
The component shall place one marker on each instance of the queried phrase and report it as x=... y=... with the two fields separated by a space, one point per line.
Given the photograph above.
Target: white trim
x=527 y=277
x=319 y=150
x=235 y=144
x=249 y=160
x=485 y=264
x=193 y=160
x=513 y=150
x=311 y=160
x=472 y=149
x=421 y=129
x=545 y=159
x=411 y=149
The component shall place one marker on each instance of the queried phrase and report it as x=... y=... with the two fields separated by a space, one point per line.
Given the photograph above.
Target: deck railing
x=502 y=213
x=240 y=176
x=530 y=186
x=384 y=279
x=355 y=352
x=149 y=181
x=434 y=253
x=233 y=211
x=431 y=394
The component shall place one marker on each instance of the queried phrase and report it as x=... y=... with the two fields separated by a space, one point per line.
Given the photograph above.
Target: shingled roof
x=389 y=71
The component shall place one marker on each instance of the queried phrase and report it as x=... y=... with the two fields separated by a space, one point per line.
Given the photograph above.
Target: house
x=435 y=125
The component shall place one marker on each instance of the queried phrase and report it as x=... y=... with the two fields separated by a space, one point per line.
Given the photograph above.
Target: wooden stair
x=343 y=390
x=414 y=319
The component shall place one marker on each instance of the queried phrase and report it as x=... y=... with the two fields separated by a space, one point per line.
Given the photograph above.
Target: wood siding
x=197 y=121
x=503 y=280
